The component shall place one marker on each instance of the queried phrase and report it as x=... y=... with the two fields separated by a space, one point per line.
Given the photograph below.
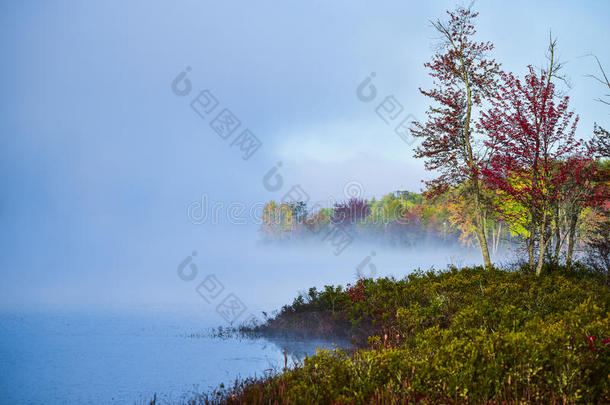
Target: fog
x=101 y=156
x=167 y=279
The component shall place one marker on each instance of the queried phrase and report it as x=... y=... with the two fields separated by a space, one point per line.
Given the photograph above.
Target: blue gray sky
x=99 y=159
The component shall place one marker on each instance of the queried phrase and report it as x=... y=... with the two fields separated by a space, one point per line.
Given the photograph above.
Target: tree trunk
x=478 y=212
x=480 y=227
x=557 y=236
x=530 y=244
x=493 y=240
x=571 y=237
x=498 y=238
x=484 y=248
x=542 y=244
x=474 y=172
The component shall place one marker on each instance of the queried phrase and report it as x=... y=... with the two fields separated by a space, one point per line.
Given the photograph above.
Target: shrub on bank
x=454 y=336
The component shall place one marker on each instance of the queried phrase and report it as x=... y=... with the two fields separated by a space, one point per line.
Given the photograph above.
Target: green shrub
x=460 y=336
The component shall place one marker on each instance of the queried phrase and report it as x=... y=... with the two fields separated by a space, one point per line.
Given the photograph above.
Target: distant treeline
x=407 y=218
x=401 y=217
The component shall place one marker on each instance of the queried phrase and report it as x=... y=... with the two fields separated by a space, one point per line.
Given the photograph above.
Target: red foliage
x=463 y=76
x=591 y=341
x=350 y=212
x=356 y=292
x=533 y=152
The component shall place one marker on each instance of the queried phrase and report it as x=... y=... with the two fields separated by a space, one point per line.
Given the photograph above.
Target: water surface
x=60 y=358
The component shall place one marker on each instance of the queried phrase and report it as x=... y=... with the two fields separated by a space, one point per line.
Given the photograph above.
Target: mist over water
x=117 y=350
x=263 y=275
x=267 y=275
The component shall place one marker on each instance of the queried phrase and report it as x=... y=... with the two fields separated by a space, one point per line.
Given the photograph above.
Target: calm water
x=104 y=359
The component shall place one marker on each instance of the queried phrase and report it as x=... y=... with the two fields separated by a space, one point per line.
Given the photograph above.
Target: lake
x=77 y=358
x=119 y=337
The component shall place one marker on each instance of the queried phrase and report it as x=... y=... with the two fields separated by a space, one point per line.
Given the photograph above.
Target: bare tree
x=603 y=79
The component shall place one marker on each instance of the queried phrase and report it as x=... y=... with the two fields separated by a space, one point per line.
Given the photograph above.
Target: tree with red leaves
x=464 y=76
x=531 y=139
x=580 y=190
x=351 y=212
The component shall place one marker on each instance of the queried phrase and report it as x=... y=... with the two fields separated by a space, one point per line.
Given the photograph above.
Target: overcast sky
x=99 y=159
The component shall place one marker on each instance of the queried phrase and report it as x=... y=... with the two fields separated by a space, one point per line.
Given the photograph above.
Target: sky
x=101 y=161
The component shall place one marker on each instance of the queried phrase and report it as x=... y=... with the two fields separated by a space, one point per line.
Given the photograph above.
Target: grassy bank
x=454 y=336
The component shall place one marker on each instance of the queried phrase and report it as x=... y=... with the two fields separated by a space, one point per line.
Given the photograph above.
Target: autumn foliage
x=532 y=150
x=464 y=77
x=508 y=166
